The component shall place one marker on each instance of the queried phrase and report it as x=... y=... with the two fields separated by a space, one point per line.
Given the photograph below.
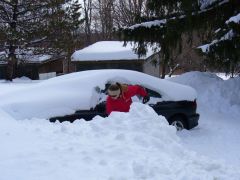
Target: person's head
x=114 y=91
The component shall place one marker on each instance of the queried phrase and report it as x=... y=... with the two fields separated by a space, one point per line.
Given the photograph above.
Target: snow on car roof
x=65 y=94
x=108 y=50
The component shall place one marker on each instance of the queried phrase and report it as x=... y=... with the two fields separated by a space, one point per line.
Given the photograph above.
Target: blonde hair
x=117 y=89
x=123 y=87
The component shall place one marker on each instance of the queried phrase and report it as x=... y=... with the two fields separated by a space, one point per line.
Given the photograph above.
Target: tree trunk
x=88 y=20
x=65 y=65
x=67 y=61
x=12 y=61
x=231 y=69
x=11 y=68
x=164 y=64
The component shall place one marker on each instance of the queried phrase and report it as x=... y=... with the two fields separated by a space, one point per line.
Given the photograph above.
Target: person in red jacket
x=120 y=97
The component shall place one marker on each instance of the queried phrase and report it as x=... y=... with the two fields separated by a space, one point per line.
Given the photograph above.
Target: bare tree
x=87 y=11
x=103 y=15
x=129 y=12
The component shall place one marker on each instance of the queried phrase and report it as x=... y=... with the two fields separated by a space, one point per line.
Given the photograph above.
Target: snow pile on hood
x=135 y=145
x=213 y=92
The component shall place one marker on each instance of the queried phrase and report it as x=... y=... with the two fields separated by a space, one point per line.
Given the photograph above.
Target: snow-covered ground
x=218 y=134
x=133 y=146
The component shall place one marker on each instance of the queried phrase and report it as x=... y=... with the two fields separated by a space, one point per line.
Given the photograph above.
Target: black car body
x=181 y=114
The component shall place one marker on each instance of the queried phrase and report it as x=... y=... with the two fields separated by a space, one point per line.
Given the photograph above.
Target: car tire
x=179 y=122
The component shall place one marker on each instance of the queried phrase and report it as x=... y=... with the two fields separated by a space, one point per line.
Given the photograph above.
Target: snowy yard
x=128 y=146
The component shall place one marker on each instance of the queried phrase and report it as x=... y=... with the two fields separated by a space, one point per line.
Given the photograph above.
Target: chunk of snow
x=235 y=19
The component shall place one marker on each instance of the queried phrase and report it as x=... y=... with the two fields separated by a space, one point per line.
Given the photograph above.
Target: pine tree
x=19 y=24
x=62 y=28
x=25 y=22
x=224 y=52
x=170 y=19
x=164 y=26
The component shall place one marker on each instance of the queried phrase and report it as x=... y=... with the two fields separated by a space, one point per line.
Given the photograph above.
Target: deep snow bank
x=219 y=95
x=135 y=145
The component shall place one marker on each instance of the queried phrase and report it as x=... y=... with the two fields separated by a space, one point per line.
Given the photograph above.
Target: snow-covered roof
x=108 y=50
x=28 y=56
x=3 y=62
x=3 y=58
x=35 y=58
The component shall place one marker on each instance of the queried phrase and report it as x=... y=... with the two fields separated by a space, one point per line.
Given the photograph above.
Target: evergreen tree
x=25 y=22
x=224 y=52
x=170 y=19
x=19 y=24
x=62 y=27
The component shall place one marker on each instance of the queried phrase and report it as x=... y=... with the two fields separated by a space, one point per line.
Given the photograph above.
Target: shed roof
x=29 y=57
x=108 y=50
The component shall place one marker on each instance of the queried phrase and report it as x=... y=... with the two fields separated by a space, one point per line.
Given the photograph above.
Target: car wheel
x=178 y=122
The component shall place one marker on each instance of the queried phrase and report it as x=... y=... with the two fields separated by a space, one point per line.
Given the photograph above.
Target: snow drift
x=135 y=145
x=213 y=92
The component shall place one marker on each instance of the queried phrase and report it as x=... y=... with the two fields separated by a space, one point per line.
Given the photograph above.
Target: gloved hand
x=145 y=99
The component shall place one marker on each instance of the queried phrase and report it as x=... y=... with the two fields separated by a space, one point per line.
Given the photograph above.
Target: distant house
x=113 y=55
x=34 y=66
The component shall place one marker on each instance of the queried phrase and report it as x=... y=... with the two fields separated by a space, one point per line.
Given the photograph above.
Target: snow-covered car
x=82 y=95
x=174 y=101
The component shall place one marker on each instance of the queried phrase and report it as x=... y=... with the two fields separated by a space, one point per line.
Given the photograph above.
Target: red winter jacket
x=123 y=103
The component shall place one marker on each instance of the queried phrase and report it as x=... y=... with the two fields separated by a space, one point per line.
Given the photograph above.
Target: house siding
x=136 y=65
x=32 y=70
x=28 y=70
x=52 y=66
x=3 y=71
x=150 y=68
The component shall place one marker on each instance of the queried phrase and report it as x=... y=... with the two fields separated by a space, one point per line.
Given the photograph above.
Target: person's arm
x=137 y=90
